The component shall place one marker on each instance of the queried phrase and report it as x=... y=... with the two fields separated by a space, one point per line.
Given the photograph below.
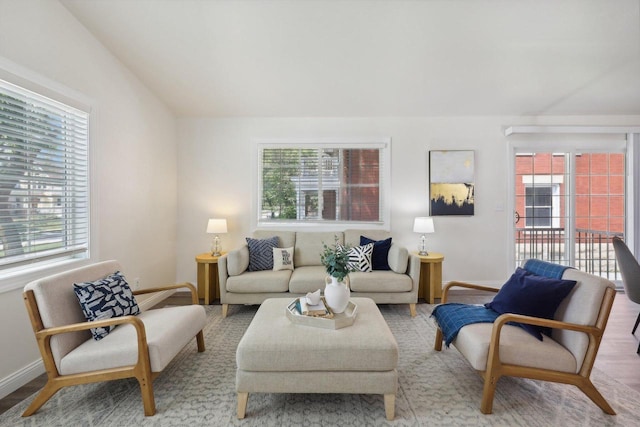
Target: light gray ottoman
x=278 y=356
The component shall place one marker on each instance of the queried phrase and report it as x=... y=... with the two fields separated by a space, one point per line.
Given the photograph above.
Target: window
x=320 y=183
x=44 y=197
x=538 y=206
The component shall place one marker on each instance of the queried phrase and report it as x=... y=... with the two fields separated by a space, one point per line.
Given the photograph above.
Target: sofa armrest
x=398 y=258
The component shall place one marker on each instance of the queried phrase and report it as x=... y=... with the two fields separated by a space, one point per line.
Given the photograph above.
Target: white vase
x=336 y=294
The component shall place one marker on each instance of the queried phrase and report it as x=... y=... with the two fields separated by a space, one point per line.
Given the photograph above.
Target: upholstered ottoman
x=278 y=356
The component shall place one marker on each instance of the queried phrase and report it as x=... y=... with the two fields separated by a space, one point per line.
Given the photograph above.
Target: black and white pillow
x=104 y=299
x=360 y=258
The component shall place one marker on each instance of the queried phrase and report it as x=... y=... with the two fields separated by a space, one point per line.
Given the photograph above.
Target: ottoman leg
x=242 y=404
x=389 y=406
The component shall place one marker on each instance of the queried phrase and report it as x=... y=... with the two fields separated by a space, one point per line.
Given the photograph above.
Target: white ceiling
x=377 y=58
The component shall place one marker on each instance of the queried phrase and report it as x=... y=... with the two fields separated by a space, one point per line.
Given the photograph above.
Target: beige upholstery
x=239 y=286
x=140 y=346
x=567 y=356
x=278 y=356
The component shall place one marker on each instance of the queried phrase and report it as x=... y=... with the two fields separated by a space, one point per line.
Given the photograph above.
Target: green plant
x=335 y=259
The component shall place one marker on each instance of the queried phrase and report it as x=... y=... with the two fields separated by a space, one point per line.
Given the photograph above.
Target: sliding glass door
x=568 y=205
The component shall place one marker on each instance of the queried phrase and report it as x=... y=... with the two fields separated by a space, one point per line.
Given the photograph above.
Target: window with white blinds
x=44 y=193
x=323 y=183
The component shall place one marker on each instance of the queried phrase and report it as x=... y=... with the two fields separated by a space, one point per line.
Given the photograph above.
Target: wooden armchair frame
x=496 y=369
x=141 y=370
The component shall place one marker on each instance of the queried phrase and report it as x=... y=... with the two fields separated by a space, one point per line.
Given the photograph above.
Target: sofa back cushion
x=286 y=239
x=309 y=246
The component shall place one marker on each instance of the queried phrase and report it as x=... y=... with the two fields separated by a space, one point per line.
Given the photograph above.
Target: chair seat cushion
x=168 y=330
x=517 y=347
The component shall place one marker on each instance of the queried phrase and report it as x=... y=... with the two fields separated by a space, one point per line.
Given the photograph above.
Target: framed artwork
x=451 y=182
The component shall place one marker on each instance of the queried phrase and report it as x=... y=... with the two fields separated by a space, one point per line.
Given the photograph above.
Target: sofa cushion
x=380 y=252
x=531 y=295
x=167 y=329
x=380 y=281
x=238 y=261
x=261 y=253
x=104 y=299
x=309 y=246
x=398 y=258
x=251 y=282
x=360 y=258
x=308 y=278
x=282 y=259
x=517 y=347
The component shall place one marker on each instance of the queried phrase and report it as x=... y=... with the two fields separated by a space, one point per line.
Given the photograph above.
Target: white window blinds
x=320 y=183
x=44 y=196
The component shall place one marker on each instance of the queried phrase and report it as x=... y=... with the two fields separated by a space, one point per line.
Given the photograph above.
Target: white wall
x=133 y=148
x=215 y=180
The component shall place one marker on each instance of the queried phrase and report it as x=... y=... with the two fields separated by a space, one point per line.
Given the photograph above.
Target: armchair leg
x=437 y=346
x=146 y=388
x=225 y=309
x=592 y=393
x=45 y=394
x=412 y=310
x=636 y=325
x=488 y=392
x=200 y=341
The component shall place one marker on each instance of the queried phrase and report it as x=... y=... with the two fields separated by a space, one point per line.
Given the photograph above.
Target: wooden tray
x=339 y=320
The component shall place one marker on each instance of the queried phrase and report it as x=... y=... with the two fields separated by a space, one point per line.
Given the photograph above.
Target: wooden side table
x=208 y=277
x=430 y=276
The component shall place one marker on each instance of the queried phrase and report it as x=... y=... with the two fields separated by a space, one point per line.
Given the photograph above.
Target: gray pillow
x=261 y=253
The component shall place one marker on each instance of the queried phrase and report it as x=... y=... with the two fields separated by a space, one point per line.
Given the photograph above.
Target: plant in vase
x=336 y=262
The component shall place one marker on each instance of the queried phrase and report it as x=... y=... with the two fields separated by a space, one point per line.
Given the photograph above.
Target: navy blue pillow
x=379 y=258
x=261 y=253
x=531 y=295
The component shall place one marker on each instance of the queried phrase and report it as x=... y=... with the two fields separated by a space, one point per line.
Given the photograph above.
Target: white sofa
x=239 y=286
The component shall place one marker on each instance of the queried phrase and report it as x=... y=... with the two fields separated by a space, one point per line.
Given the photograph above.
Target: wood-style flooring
x=617 y=356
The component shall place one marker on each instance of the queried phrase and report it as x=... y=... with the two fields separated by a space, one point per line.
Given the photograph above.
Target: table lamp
x=423 y=225
x=216 y=226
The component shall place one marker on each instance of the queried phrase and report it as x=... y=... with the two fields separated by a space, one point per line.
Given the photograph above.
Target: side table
x=208 y=277
x=430 y=276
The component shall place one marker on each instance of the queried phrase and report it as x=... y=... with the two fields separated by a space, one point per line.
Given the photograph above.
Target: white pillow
x=282 y=259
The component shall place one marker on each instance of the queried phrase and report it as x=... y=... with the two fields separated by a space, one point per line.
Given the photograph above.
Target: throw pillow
x=360 y=258
x=282 y=259
x=104 y=299
x=261 y=253
x=379 y=259
x=531 y=295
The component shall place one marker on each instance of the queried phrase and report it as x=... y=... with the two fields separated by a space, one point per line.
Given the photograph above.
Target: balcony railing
x=593 y=249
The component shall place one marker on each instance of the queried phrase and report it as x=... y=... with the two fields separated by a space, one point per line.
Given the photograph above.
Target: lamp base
x=216 y=247
x=423 y=253
x=422 y=247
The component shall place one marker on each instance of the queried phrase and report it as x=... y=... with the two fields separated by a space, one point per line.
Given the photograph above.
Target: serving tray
x=339 y=320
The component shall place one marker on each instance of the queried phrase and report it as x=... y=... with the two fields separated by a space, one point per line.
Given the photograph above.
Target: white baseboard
x=16 y=380
x=28 y=373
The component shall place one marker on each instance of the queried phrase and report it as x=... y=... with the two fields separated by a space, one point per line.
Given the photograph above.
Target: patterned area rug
x=435 y=389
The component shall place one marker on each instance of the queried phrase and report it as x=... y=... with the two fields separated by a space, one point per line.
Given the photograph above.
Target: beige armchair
x=140 y=347
x=499 y=349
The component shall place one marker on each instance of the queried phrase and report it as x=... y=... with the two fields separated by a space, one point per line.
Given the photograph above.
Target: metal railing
x=594 y=251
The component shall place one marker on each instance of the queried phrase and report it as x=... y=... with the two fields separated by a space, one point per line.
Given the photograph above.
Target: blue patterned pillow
x=104 y=299
x=261 y=253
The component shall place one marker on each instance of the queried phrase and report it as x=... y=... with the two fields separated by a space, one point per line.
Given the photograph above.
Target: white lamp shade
x=423 y=224
x=217 y=226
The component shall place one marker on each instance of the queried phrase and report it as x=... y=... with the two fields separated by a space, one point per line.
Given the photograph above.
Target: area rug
x=435 y=389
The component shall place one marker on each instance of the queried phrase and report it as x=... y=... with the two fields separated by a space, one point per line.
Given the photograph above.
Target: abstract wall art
x=452 y=182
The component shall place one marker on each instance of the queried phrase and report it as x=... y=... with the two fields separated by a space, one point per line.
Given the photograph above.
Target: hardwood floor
x=617 y=356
